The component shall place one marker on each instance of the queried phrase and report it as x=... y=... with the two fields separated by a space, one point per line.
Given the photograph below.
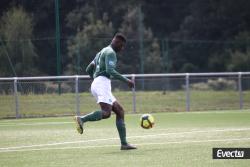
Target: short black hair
x=121 y=36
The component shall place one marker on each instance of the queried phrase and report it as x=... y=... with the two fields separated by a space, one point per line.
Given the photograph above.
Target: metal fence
x=69 y=95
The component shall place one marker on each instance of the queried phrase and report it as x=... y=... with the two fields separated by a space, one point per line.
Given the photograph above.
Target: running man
x=102 y=69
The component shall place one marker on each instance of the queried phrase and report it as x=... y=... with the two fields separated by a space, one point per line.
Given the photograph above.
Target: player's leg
x=104 y=113
x=120 y=124
x=101 y=90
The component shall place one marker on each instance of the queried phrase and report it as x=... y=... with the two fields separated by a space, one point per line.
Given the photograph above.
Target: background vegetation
x=163 y=36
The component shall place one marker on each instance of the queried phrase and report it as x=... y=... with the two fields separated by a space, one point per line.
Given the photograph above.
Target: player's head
x=118 y=42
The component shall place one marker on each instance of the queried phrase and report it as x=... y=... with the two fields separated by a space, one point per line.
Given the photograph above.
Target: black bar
x=231 y=153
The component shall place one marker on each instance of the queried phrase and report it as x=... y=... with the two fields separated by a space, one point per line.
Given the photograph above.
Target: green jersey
x=104 y=64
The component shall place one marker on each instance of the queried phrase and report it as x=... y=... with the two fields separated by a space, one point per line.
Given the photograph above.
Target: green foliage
x=87 y=42
x=219 y=84
x=208 y=27
x=188 y=67
x=16 y=45
x=239 y=61
x=239 y=57
x=153 y=57
x=200 y=86
x=151 y=51
x=95 y=33
x=202 y=36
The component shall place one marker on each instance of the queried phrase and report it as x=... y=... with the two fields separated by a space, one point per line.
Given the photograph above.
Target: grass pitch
x=178 y=139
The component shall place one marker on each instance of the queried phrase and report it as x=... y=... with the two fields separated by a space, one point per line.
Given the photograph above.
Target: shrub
x=218 y=84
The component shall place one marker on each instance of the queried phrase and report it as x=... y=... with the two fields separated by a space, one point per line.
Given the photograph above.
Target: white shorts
x=101 y=90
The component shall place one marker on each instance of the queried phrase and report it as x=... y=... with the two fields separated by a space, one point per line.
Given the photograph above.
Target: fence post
x=16 y=98
x=134 y=94
x=77 y=95
x=240 y=89
x=187 y=93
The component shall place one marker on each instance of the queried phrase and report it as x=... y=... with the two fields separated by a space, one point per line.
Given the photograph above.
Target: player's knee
x=120 y=116
x=121 y=110
x=106 y=114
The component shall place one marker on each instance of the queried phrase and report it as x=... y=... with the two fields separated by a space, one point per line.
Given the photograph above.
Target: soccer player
x=102 y=69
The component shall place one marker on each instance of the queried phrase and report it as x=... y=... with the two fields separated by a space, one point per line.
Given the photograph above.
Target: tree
x=92 y=35
x=131 y=62
x=200 y=35
x=165 y=17
x=17 y=50
x=206 y=33
x=239 y=61
x=239 y=56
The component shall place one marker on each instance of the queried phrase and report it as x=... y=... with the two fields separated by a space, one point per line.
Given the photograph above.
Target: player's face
x=119 y=44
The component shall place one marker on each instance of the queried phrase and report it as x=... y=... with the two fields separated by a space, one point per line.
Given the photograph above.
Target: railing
x=180 y=85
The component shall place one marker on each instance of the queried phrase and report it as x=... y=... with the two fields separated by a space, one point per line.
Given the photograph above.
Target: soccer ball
x=147 y=121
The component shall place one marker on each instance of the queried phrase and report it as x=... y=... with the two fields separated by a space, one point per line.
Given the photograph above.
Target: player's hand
x=131 y=84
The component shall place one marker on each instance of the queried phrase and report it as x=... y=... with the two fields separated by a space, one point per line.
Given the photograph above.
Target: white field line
x=138 y=144
x=130 y=137
x=55 y=144
x=34 y=124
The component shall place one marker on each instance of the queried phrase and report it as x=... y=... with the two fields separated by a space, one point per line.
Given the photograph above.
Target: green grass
x=178 y=139
x=146 y=101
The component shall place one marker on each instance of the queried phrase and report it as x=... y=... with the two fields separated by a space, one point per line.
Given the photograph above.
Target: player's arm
x=110 y=63
x=90 y=69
